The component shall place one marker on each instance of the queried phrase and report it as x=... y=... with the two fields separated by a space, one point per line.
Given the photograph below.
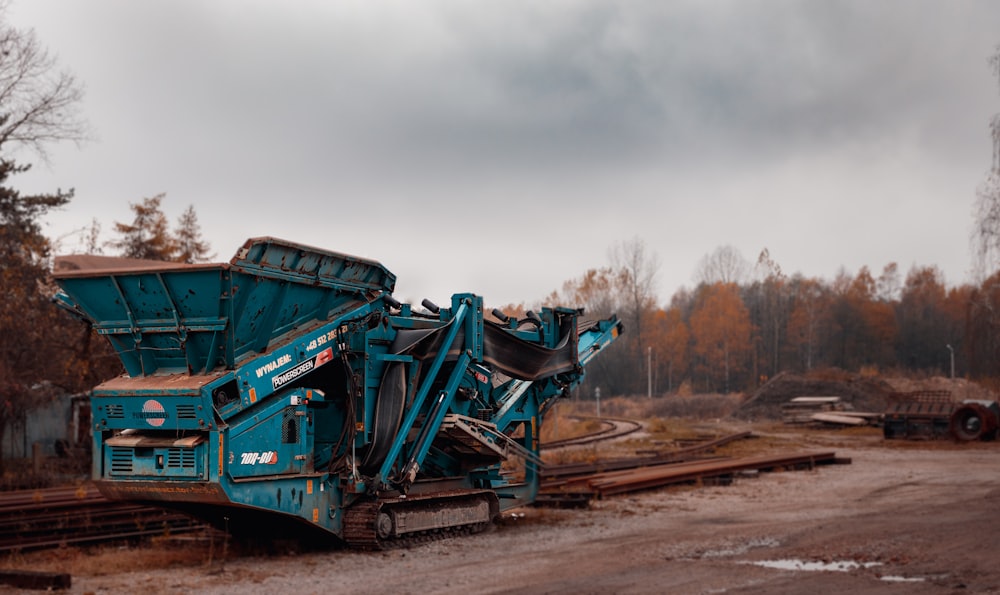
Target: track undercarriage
x=403 y=521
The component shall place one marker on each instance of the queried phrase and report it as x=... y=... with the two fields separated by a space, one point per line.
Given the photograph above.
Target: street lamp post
x=951 y=351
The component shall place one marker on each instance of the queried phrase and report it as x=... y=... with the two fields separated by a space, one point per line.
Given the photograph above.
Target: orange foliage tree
x=864 y=327
x=670 y=339
x=925 y=325
x=720 y=330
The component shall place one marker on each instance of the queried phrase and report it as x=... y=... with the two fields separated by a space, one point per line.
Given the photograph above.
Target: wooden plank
x=861 y=414
x=832 y=418
x=815 y=400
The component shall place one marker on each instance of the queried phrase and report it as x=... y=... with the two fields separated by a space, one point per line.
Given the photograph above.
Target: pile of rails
x=578 y=483
x=55 y=517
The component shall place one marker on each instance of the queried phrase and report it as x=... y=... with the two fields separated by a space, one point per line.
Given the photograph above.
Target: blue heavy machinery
x=288 y=390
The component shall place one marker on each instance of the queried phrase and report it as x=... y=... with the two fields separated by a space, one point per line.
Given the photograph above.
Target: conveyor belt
x=507 y=353
x=388 y=416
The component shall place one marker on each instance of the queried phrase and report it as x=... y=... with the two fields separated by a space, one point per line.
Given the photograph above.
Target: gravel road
x=901 y=518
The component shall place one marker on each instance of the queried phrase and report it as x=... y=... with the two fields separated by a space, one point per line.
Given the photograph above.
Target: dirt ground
x=903 y=517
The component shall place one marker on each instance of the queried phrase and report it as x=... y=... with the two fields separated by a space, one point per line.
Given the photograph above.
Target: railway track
x=610 y=429
x=55 y=517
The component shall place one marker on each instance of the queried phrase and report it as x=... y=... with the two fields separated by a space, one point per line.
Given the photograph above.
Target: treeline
x=742 y=325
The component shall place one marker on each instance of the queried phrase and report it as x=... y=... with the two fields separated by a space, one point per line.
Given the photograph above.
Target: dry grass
x=567 y=419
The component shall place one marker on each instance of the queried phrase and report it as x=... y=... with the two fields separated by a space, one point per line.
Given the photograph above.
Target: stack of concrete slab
x=801 y=409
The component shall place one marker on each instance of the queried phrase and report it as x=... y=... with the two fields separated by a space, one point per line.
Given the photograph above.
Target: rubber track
x=359 y=529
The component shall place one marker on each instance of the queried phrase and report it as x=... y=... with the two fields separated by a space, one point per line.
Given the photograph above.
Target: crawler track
x=396 y=522
x=53 y=517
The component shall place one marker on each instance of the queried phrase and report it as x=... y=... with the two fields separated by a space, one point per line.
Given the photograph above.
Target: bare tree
x=888 y=286
x=725 y=265
x=637 y=268
x=38 y=106
x=986 y=230
x=92 y=241
x=38 y=103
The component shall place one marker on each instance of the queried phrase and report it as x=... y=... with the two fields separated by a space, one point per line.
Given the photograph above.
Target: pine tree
x=148 y=236
x=191 y=247
x=28 y=321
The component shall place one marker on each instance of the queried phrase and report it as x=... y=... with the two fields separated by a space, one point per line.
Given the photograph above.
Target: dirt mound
x=961 y=389
x=861 y=393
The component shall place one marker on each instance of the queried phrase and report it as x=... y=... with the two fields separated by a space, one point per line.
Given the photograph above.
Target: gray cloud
x=510 y=128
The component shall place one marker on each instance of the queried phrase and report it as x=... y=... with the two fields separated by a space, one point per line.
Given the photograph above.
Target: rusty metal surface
x=56 y=517
x=643 y=458
x=643 y=477
x=80 y=265
x=662 y=475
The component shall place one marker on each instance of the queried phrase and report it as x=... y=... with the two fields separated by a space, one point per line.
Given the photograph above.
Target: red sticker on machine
x=324 y=356
x=268 y=457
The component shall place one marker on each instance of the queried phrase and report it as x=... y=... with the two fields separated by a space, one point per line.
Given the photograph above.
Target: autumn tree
x=148 y=235
x=672 y=345
x=27 y=319
x=864 y=331
x=956 y=309
x=38 y=106
x=598 y=292
x=983 y=322
x=720 y=332
x=925 y=331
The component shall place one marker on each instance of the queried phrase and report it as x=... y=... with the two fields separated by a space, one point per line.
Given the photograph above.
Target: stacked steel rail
x=55 y=517
x=577 y=484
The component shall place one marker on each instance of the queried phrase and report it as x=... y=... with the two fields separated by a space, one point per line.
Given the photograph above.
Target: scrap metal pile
x=929 y=414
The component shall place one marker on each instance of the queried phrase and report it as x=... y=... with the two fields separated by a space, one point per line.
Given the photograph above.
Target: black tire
x=972 y=421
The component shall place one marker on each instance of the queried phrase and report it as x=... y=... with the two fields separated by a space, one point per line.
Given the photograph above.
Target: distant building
x=62 y=422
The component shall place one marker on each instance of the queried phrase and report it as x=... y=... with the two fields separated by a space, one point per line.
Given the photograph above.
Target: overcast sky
x=502 y=148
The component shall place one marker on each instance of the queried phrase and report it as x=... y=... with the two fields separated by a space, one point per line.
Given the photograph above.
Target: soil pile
x=960 y=388
x=860 y=393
